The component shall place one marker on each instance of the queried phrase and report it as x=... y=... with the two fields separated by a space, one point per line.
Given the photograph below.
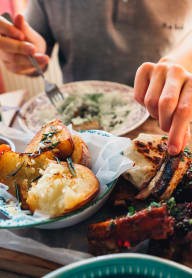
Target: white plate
x=29 y=121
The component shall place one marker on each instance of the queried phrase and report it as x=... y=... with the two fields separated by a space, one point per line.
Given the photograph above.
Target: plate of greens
x=87 y=105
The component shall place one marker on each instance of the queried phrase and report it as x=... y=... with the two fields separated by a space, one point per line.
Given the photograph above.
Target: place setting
x=95 y=139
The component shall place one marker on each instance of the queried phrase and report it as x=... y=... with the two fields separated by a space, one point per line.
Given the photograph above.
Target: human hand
x=17 y=42
x=165 y=89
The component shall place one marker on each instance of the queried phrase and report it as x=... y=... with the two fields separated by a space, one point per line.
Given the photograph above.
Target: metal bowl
x=4 y=140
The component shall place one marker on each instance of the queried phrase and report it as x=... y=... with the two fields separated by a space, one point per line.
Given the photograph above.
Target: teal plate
x=123 y=266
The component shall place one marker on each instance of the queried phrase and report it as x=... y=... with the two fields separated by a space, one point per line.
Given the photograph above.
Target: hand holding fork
x=18 y=42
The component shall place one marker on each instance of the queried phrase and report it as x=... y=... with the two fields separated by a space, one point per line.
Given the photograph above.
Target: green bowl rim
x=118 y=258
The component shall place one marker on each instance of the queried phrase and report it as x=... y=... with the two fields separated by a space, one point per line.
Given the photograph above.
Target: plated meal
x=158 y=206
x=58 y=180
x=52 y=176
x=88 y=105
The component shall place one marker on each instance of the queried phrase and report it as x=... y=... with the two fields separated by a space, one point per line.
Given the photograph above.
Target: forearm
x=181 y=54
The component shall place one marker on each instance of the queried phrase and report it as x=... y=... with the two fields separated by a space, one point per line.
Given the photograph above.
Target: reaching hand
x=17 y=42
x=165 y=89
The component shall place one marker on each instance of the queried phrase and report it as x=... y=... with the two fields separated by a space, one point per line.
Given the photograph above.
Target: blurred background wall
x=10 y=81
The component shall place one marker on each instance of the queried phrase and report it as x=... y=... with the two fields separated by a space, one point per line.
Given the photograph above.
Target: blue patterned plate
x=123 y=266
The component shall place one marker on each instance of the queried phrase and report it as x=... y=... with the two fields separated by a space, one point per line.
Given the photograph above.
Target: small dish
x=123 y=266
x=4 y=140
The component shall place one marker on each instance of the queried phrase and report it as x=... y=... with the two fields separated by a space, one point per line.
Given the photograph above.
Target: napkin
x=29 y=246
x=11 y=99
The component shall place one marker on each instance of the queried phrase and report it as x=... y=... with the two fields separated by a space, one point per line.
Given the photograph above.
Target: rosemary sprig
x=48 y=135
x=14 y=173
x=35 y=179
x=52 y=146
x=71 y=166
x=57 y=159
x=17 y=191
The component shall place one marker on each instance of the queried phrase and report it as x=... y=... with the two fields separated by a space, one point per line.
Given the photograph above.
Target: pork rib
x=110 y=236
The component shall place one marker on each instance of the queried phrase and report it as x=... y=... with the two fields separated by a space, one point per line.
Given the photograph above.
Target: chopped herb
x=164 y=137
x=55 y=144
x=48 y=135
x=131 y=211
x=71 y=166
x=186 y=150
x=155 y=205
x=190 y=221
x=17 y=191
x=14 y=173
x=190 y=182
x=94 y=97
x=52 y=146
x=57 y=159
x=171 y=205
x=35 y=179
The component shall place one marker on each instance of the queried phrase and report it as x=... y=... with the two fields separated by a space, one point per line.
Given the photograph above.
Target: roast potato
x=53 y=136
x=59 y=192
x=19 y=171
x=81 y=154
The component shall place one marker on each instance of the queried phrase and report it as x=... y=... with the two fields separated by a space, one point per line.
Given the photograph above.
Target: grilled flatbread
x=148 y=152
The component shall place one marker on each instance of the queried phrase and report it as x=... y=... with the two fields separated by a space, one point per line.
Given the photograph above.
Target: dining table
x=14 y=264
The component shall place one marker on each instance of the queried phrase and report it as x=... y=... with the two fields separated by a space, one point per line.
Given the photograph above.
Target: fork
x=51 y=89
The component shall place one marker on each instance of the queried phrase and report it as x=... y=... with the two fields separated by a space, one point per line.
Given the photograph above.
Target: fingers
x=154 y=90
x=181 y=120
x=7 y=29
x=142 y=80
x=20 y=64
x=169 y=96
x=165 y=89
x=14 y=46
x=17 y=41
x=30 y=34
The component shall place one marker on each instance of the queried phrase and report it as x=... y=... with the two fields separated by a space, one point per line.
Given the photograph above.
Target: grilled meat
x=112 y=235
x=183 y=192
x=167 y=177
x=155 y=172
x=177 y=247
